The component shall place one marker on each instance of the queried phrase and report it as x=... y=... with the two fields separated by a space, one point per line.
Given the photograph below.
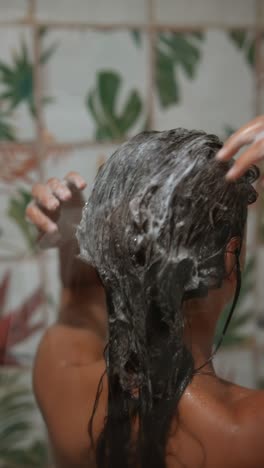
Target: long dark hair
x=156 y=229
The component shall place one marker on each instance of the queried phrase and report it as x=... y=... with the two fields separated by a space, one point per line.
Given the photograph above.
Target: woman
x=165 y=232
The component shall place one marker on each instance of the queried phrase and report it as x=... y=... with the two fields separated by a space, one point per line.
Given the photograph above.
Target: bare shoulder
x=68 y=367
x=70 y=345
x=249 y=413
x=62 y=349
x=222 y=423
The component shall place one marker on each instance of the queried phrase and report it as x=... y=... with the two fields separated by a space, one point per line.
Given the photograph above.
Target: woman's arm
x=69 y=361
x=56 y=212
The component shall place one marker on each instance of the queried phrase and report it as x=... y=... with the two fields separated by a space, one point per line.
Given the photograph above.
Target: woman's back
x=217 y=424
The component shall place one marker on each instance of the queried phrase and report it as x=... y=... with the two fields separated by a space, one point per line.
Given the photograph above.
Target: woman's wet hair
x=156 y=228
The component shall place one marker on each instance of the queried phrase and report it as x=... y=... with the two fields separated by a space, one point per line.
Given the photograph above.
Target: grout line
x=151 y=66
x=39 y=152
x=23 y=257
x=39 y=129
x=30 y=147
x=26 y=256
x=124 y=25
x=259 y=13
x=31 y=11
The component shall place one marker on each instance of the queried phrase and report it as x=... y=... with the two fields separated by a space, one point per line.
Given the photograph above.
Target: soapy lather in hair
x=156 y=228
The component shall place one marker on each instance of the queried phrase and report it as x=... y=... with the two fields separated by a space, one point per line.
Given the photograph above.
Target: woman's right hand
x=56 y=209
x=250 y=134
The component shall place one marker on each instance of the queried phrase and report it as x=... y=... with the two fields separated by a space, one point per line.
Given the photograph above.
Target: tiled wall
x=191 y=63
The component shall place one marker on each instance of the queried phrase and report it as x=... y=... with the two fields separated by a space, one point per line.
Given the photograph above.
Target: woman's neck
x=200 y=324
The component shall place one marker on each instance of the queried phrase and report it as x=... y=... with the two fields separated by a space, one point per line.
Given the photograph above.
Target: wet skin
x=219 y=424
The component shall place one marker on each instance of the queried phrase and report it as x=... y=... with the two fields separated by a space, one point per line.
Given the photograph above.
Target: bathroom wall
x=163 y=63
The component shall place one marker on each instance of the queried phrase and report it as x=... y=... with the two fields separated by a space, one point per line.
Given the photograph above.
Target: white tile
x=221 y=93
x=85 y=161
x=72 y=73
x=13 y=9
x=93 y=11
x=180 y=12
x=25 y=277
x=236 y=365
x=11 y=39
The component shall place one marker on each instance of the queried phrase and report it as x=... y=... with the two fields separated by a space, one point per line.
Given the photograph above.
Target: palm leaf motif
x=137 y=37
x=17 y=79
x=16 y=325
x=16 y=428
x=175 y=51
x=245 y=42
x=102 y=104
x=16 y=211
x=33 y=456
x=7 y=131
x=235 y=334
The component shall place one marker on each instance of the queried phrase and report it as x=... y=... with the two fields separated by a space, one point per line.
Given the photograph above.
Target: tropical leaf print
x=112 y=124
x=175 y=51
x=245 y=42
x=17 y=79
x=16 y=428
x=17 y=213
x=16 y=325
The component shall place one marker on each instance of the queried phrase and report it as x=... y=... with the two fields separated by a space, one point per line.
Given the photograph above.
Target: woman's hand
x=56 y=209
x=250 y=134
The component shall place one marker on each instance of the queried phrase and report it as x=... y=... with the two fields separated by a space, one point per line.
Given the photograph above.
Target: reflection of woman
x=164 y=230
